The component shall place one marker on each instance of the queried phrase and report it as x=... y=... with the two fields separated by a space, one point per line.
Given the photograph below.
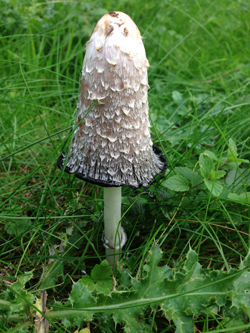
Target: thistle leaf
x=182 y=293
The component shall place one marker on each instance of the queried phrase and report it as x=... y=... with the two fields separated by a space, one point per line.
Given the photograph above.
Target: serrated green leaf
x=211 y=155
x=206 y=165
x=219 y=174
x=232 y=151
x=186 y=172
x=67 y=322
x=241 y=160
x=184 y=324
x=133 y=320
x=246 y=262
x=22 y=298
x=192 y=259
x=98 y=11
x=214 y=186
x=228 y=322
x=242 y=291
x=80 y=297
x=177 y=183
x=198 y=180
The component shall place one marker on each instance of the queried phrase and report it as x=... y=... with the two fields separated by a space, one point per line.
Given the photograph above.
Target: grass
x=199 y=99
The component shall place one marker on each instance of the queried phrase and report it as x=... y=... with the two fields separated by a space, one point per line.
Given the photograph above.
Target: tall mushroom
x=112 y=146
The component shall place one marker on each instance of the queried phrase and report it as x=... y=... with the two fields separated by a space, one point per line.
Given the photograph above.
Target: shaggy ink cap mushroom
x=112 y=146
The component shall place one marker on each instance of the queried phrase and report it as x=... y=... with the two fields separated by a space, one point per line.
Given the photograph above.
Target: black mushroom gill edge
x=109 y=183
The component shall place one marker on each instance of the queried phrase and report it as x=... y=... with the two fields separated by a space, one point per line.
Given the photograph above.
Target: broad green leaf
x=177 y=96
x=228 y=322
x=177 y=183
x=233 y=196
x=21 y=329
x=214 y=186
x=16 y=227
x=88 y=282
x=102 y=271
x=183 y=110
x=232 y=165
x=162 y=124
x=101 y=278
x=238 y=178
x=243 y=197
x=206 y=165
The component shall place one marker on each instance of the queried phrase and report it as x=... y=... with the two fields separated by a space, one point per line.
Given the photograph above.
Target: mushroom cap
x=112 y=146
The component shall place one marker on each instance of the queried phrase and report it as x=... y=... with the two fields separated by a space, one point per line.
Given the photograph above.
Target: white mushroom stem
x=114 y=233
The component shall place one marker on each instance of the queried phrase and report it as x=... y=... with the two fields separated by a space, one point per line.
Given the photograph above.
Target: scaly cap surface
x=112 y=146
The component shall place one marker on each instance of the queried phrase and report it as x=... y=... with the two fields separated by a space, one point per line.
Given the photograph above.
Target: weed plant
x=185 y=265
